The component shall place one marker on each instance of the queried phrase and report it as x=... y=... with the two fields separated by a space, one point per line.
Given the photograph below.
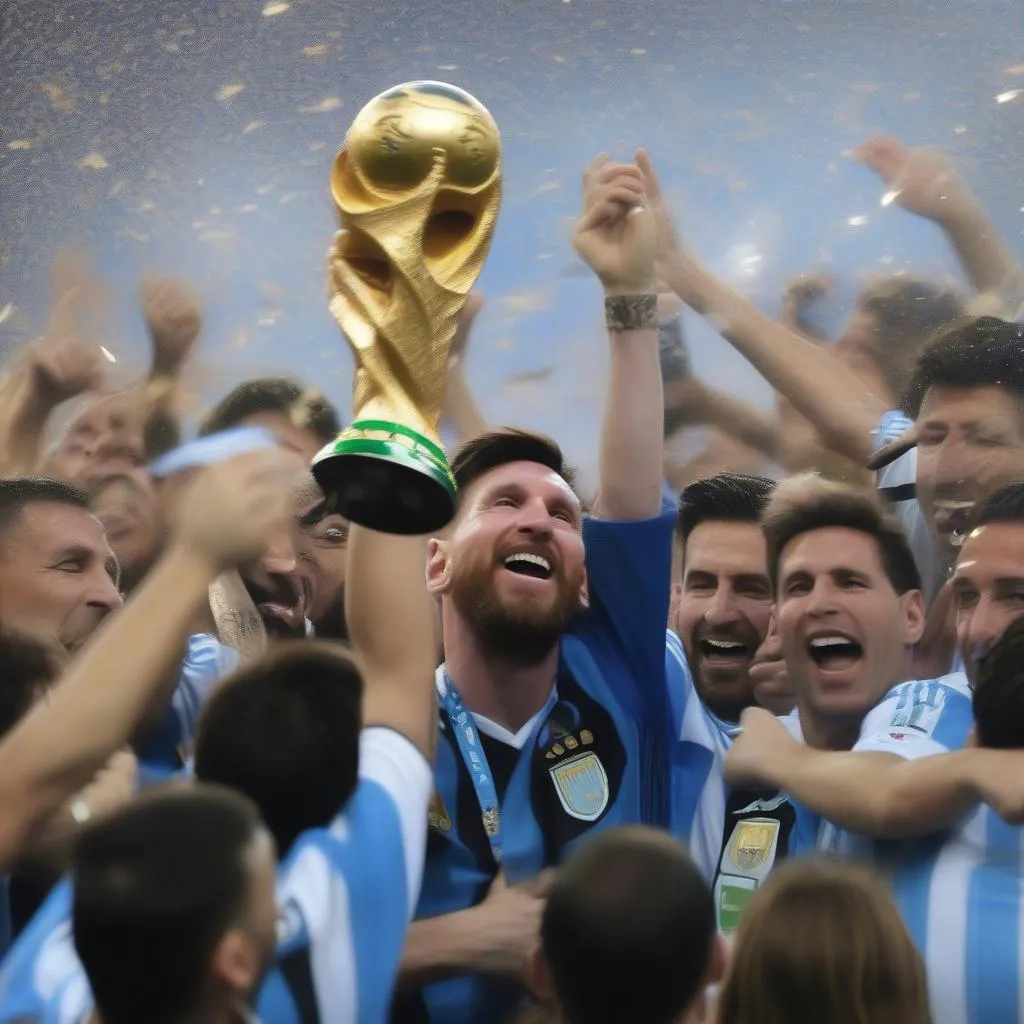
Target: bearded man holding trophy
x=551 y=704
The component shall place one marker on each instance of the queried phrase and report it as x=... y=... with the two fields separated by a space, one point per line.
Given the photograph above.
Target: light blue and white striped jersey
x=207 y=661
x=961 y=893
x=715 y=820
x=346 y=896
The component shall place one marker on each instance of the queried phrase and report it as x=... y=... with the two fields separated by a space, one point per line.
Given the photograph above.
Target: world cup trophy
x=417 y=189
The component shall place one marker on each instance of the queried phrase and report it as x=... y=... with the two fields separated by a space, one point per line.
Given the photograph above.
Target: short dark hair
x=28 y=668
x=1005 y=505
x=156 y=886
x=17 y=493
x=808 y=502
x=628 y=930
x=977 y=353
x=907 y=312
x=306 y=407
x=998 y=696
x=498 y=447
x=284 y=730
x=724 y=497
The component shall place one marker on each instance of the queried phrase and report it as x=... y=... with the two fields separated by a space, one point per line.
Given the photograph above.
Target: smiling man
x=721 y=617
x=848 y=604
x=58 y=576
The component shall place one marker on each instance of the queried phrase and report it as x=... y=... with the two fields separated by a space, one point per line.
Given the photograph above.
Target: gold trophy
x=417 y=188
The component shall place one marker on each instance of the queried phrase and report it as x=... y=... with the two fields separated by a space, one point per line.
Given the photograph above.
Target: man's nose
x=279 y=557
x=103 y=592
x=722 y=608
x=534 y=517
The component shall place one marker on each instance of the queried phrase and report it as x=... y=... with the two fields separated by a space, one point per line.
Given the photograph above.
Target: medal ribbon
x=467 y=737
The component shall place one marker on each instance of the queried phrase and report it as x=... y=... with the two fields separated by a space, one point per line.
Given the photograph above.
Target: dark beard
x=332 y=625
x=520 y=637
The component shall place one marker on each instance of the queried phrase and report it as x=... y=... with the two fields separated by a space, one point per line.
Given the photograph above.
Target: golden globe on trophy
x=417 y=189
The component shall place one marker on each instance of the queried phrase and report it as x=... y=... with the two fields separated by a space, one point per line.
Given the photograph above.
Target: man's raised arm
x=392 y=626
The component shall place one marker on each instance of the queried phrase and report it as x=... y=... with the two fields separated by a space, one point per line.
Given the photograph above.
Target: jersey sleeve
x=629 y=582
x=348 y=892
x=388 y=760
x=892 y=426
x=207 y=662
x=918 y=719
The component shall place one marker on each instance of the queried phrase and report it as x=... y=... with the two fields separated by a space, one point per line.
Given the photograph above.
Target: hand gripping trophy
x=417 y=188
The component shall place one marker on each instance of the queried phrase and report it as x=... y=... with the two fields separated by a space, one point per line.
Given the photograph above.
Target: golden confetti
x=960 y=129
x=273 y=9
x=638 y=51
x=59 y=100
x=316 y=50
x=252 y=126
x=20 y=144
x=323 y=107
x=229 y=92
x=1006 y=97
x=92 y=162
x=6 y=311
x=1015 y=69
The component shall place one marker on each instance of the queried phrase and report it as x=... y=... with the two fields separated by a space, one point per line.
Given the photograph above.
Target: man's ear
x=438 y=570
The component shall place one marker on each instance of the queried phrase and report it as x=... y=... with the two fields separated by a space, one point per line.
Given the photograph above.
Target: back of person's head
x=28 y=667
x=628 y=932
x=284 y=730
x=724 y=497
x=808 y=502
x=907 y=313
x=981 y=353
x=159 y=887
x=499 y=447
x=305 y=408
x=998 y=695
x=823 y=941
x=18 y=493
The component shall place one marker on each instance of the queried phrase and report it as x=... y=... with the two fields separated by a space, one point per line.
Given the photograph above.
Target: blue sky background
x=196 y=138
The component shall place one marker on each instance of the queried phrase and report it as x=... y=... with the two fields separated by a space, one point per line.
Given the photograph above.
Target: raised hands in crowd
x=271 y=753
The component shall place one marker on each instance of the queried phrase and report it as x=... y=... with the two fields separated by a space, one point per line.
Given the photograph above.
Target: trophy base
x=388 y=478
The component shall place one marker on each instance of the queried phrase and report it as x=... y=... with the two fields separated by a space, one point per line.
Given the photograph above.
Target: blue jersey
x=961 y=893
x=735 y=836
x=206 y=662
x=595 y=757
x=346 y=896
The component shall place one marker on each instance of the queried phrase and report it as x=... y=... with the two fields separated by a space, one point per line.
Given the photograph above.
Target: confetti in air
x=1006 y=97
x=275 y=8
x=323 y=107
x=229 y=92
x=107 y=354
x=6 y=311
x=92 y=162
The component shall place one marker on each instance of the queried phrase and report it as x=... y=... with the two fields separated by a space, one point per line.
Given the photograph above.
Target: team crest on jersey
x=753 y=842
x=437 y=815
x=582 y=785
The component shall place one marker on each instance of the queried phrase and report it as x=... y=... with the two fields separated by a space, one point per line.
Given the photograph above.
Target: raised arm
x=824 y=391
x=870 y=792
x=616 y=235
x=392 y=626
x=59 y=746
x=925 y=181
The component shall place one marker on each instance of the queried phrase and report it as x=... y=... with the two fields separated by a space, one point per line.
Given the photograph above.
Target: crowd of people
x=729 y=742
